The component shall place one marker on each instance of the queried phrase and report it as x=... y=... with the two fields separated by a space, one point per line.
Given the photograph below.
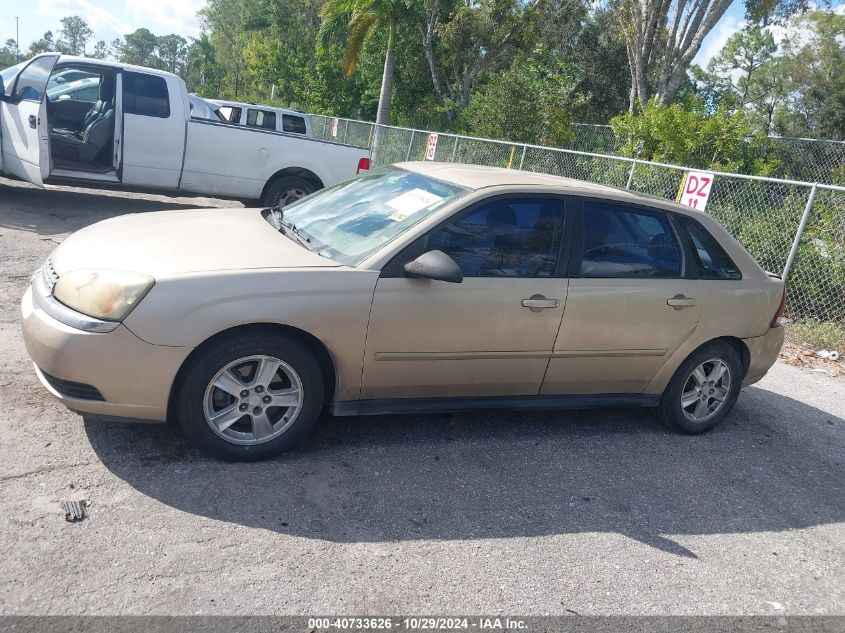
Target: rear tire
x=703 y=389
x=285 y=190
x=250 y=397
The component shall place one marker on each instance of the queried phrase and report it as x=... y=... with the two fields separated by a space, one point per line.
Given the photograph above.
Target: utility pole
x=17 y=39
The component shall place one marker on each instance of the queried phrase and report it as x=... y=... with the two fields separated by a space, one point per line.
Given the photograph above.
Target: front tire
x=703 y=389
x=250 y=396
x=286 y=190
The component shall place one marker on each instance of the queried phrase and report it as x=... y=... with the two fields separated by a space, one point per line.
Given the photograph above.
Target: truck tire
x=285 y=190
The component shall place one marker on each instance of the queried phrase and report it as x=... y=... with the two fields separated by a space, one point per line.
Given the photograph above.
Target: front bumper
x=763 y=352
x=132 y=377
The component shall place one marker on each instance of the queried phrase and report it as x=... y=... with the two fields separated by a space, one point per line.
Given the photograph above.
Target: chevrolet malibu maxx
x=419 y=287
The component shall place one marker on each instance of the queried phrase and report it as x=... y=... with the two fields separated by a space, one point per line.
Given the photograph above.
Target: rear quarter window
x=711 y=260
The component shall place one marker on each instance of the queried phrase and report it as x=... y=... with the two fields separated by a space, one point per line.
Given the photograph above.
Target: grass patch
x=817 y=334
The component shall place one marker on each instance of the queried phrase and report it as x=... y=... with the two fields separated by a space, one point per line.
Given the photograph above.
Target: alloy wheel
x=706 y=390
x=253 y=400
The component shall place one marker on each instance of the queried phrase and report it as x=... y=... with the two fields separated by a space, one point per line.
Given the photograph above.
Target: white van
x=264 y=117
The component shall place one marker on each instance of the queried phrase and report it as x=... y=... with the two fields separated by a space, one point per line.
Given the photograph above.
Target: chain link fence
x=792 y=228
x=813 y=160
x=803 y=159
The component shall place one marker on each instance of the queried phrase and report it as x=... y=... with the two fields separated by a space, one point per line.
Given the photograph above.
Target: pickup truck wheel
x=703 y=389
x=286 y=190
x=250 y=397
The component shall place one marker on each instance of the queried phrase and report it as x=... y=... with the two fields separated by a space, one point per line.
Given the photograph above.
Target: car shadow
x=485 y=475
x=64 y=209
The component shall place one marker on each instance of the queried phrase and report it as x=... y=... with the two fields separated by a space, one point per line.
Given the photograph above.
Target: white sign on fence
x=432 y=146
x=334 y=128
x=695 y=189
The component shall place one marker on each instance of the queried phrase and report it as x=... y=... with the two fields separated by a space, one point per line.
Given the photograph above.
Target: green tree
x=463 y=41
x=686 y=134
x=744 y=53
x=172 y=50
x=202 y=71
x=229 y=24
x=101 y=50
x=9 y=54
x=137 y=47
x=529 y=103
x=816 y=53
x=73 y=35
x=596 y=59
x=358 y=21
x=42 y=45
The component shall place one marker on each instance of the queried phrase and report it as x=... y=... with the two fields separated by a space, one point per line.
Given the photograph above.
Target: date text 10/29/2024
x=417 y=623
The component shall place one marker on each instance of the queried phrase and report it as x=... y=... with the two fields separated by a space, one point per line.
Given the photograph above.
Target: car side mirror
x=435 y=265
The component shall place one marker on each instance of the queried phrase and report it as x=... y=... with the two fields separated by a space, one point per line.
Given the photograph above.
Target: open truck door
x=24 y=133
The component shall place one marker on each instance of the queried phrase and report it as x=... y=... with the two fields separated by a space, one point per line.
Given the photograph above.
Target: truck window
x=230 y=113
x=295 y=124
x=145 y=95
x=33 y=80
x=261 y=118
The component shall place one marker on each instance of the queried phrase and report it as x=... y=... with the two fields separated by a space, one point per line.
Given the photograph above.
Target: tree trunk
x=383 y=112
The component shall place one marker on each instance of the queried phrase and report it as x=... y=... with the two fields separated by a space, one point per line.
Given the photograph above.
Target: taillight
x=363 y=165
x=776 y=321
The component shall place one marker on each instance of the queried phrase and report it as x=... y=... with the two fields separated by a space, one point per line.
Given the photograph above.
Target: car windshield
x=8 y=74
x=353 y=219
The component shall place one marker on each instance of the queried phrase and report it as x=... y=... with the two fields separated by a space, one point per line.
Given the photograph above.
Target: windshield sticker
x=411 y=202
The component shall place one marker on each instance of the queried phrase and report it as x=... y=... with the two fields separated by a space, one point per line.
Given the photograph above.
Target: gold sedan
x=418 y=287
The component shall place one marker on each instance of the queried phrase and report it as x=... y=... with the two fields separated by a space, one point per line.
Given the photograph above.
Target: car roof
x=73 y=59
x=224 y=102
x=479 y=176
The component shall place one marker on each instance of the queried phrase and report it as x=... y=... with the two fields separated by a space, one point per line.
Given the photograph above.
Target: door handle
x=536 y=303
x=679 y=302
x=33 y=121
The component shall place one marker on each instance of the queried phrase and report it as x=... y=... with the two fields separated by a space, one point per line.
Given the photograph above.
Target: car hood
x=172 y=242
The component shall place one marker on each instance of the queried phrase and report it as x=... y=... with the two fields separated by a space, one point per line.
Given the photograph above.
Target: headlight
x=103 y=294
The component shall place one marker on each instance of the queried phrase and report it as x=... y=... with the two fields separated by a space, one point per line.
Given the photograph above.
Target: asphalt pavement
x=576 y=512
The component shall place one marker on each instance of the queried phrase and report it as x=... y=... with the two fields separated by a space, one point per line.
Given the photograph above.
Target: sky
x=110 y=19
x=113 y=18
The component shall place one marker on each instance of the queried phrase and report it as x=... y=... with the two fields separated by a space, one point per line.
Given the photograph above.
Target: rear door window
x=622 y=241
x=261 y=118
x=145 y=95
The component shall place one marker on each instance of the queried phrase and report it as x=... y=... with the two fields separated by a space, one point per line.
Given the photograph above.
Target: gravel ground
x=597 y=512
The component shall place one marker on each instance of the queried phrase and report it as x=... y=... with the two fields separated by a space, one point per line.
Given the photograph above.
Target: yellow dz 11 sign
x=695 y=189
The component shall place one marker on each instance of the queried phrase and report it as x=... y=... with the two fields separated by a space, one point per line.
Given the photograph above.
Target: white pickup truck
x=138 y=133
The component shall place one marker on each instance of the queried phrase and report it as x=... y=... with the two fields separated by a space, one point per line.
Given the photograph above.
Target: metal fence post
x=522 y=158
x=631 y=175
x=345 y=131
x=801 y=226
x=410 y=145
x=455 y=149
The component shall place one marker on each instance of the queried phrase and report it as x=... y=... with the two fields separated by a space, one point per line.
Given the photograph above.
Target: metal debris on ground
x=74 y=510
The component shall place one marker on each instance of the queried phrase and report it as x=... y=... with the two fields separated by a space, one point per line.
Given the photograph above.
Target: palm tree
x=202 y=60
x=358 y=20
